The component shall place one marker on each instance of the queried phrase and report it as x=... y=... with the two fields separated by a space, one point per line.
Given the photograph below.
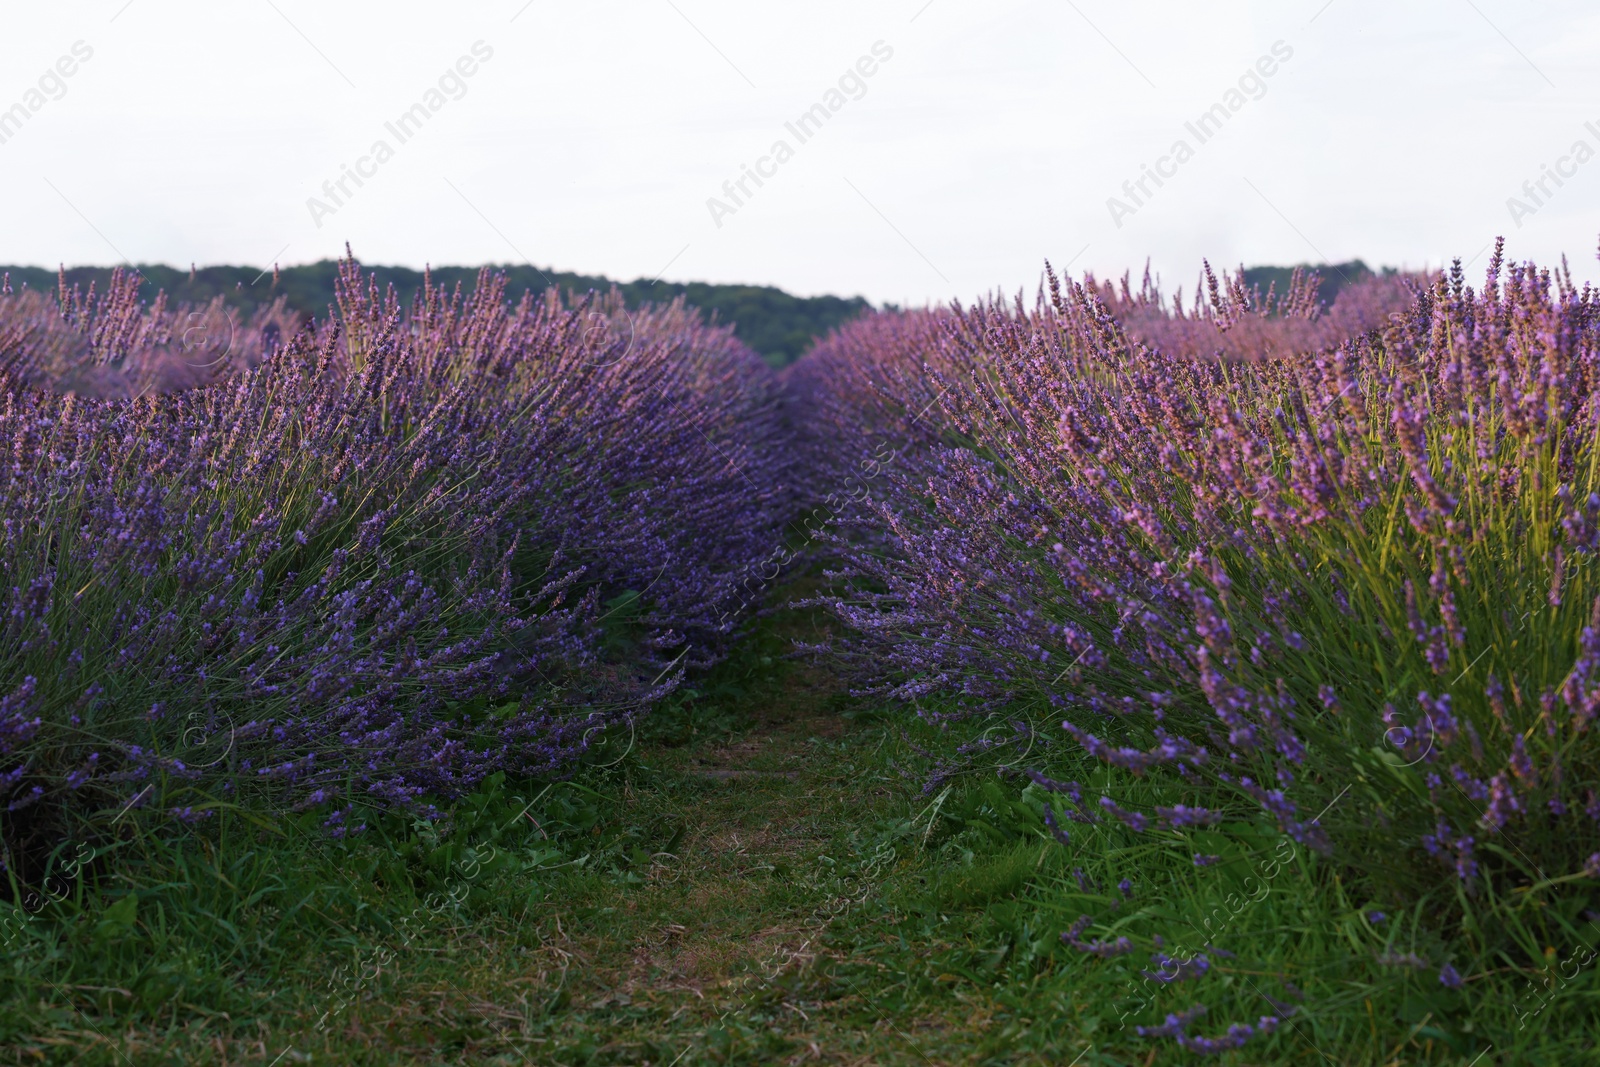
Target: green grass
x=755 y=877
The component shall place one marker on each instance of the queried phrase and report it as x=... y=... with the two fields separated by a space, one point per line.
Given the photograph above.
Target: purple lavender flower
x=1172 y=969
x=1055 y=829
x=1104 y=949
x=1136 y=821
x=1180 y=815
x=1175 y=1024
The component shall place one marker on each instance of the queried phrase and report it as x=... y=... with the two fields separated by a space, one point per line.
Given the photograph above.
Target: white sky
x=992 y=139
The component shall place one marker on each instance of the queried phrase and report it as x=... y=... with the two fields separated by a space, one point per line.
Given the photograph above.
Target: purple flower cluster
x=1177 y=1026
x=1121 y=946
x=391 y=553
x=1172 y=969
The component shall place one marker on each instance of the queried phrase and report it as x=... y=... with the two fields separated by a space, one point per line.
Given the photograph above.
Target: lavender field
x=1115 y=676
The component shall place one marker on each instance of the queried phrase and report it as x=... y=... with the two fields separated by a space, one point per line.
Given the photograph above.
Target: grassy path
x=772 y=930
x=752 y=880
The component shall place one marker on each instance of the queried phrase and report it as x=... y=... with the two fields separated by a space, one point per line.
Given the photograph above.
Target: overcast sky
x=590 y=136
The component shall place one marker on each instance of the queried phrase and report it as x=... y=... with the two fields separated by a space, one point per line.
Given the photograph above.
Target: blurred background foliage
x=776 y=324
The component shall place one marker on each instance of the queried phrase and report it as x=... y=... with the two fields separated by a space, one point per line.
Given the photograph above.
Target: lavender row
x=373 y=560
x=1333 y=568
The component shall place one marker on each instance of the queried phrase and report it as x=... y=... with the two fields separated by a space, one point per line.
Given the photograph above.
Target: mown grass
x=756 y=877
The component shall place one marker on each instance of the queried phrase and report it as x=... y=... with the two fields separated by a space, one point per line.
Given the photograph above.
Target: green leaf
x=118 y=919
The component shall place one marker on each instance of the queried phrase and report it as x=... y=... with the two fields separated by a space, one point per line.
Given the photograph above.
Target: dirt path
x=723 y=952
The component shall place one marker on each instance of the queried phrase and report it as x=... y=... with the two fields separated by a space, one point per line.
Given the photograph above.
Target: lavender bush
x=1227 y=319
x=1346 y=586
x=108 y=345
x=397 y=551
